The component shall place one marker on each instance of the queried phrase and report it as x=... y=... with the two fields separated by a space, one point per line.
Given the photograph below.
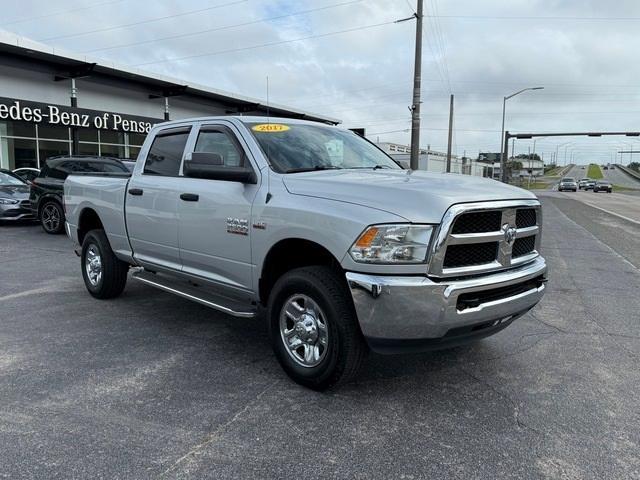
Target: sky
x=348 y=59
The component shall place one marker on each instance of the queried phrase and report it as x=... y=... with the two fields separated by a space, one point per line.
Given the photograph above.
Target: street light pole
x=503 y=160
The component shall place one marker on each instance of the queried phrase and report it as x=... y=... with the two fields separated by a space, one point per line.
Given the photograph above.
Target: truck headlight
x=8 y=201
x=392 y=244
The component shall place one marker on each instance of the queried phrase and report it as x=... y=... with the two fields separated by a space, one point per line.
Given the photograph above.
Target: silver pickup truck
x=342 y=249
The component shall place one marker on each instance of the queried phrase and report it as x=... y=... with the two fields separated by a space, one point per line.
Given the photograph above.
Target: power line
x=226 y=27
x=61 y=12
x=142 y=22
x=441 y=42
x=271 y=44
x=507 y=17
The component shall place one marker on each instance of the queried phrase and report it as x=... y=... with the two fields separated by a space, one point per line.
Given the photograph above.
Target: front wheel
x=52 y=217
x=314 y=328
x=105 y=276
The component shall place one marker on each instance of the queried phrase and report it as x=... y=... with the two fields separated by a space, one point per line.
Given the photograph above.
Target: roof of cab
x=241 y=118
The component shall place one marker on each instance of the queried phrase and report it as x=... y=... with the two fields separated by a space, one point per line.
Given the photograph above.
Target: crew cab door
x=215 y=215
x=152 y=201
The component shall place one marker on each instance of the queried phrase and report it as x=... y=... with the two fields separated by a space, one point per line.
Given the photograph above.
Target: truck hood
x=419 y=197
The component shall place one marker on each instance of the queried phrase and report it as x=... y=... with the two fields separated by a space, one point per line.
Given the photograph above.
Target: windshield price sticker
x=270 y=128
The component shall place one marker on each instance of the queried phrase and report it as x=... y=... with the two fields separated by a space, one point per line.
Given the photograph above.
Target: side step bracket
x=189 y=291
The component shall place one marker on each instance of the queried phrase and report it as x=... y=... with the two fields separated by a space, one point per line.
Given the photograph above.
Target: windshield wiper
x=372 y=167
x=312 y=169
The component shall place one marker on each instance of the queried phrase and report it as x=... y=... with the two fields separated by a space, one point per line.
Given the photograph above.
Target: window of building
x=88 y=135
x=111 y=136
x=115 y=151
x=53 y=132
x=88 y=149
x=166 y=152
x=20 y=129
x=18 y=152
x=134 y=152
x=136 y=139
x=24 y=144
x=48 y=148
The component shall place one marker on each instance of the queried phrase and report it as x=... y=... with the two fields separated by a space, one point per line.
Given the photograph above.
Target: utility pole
x=450 y=134
x=415 y=107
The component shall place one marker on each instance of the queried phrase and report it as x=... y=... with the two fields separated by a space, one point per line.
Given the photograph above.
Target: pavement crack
x=516 y=407
x=558 y=329
x=525 y=349
x=211 y=437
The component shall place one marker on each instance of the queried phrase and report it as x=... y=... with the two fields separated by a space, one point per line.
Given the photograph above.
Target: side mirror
x=216 y=171
x=206 y=158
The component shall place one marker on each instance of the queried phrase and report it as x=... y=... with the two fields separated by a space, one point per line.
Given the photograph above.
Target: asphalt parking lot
x=153 y=386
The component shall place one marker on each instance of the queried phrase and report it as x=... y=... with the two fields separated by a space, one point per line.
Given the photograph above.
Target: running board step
x=189 y=291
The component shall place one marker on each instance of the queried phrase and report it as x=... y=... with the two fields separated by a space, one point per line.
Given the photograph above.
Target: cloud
x=479 y=51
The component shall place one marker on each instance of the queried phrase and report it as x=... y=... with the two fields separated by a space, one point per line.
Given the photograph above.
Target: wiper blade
x=372 y=167
x=315 y=168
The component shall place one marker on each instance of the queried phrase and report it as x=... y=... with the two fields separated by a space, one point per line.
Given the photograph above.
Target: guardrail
x=560 y=173
x=633 y=174
x=566 y=170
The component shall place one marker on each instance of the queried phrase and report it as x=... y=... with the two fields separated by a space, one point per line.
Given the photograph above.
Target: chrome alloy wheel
x=51 y=217
x=93 y=265
x=304 y=330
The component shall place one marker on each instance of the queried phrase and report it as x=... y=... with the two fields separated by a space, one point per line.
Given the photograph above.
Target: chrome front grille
x=476 y=222
x=526 y=217
x=467 y=255
x=483 y=237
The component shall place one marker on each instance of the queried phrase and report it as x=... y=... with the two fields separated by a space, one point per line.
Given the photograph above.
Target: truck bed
x=103 y=193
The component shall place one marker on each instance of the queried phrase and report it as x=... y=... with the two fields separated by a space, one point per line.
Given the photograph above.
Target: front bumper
x=405 y=313
x=15 y=212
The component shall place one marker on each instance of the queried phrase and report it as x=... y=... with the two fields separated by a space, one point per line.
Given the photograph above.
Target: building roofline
x=71 y=63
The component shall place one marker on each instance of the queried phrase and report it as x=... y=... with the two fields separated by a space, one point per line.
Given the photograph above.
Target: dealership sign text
x=23 y=111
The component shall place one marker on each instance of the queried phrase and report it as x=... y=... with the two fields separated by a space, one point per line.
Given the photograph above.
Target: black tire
x=113 y=276
x=52 y=217
x=346 y=347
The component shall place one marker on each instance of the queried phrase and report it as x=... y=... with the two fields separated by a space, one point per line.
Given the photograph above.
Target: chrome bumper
x=400 y=309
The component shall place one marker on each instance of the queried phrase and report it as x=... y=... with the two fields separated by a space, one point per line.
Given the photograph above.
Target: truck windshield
x=297 y=147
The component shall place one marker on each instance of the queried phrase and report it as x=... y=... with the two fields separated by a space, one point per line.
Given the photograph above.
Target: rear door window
x=165 y=154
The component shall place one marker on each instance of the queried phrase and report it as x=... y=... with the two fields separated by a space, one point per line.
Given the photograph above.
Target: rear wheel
x=105 y=276
x=52 y=217
x=314 y=329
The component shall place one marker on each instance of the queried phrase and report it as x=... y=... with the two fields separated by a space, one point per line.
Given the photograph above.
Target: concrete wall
x=432 y=163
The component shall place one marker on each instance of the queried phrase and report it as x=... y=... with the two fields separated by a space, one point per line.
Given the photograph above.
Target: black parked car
x=27 y=173
x=47 y=188
x=14 y=197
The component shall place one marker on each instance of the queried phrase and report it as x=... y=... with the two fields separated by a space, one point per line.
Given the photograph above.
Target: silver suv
x=568 y=184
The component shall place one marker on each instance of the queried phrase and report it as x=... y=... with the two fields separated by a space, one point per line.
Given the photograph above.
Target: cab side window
x=165 y=154
x=219 y=141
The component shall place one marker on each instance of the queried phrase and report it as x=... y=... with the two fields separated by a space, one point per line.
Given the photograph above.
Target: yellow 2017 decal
x=270 y=127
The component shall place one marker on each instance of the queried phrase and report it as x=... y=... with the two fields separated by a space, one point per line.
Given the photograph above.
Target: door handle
x=135 y=191
x=189 y=197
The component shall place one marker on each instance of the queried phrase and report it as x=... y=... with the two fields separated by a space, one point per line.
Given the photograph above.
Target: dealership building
x=58 y=104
